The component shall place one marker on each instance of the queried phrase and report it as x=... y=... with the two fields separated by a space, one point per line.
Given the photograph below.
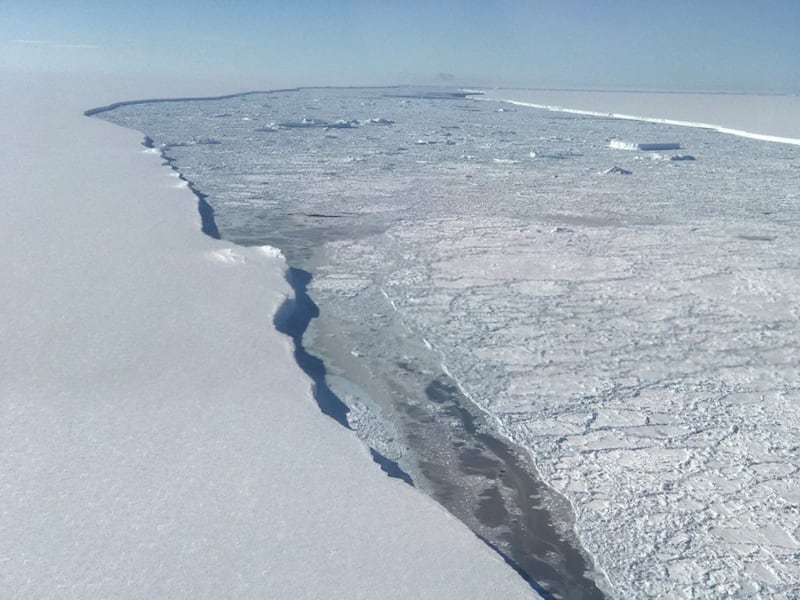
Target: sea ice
x=636 y=334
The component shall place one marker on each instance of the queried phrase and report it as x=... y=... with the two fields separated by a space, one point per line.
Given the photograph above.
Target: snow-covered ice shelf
x=158 y=439
x=766 y=117
x=637 y=334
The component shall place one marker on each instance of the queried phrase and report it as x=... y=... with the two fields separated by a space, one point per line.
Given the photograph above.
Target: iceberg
x=644 y=146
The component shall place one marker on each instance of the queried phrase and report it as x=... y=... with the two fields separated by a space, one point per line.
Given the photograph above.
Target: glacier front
x=635 y=334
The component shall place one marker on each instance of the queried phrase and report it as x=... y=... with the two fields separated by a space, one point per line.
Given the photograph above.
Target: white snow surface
x=766 y=117
x=158 y=440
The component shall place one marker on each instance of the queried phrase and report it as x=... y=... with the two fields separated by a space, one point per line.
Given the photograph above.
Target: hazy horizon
x=624 y=45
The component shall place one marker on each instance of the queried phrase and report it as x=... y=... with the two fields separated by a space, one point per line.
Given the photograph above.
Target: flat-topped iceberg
x=645 y=146
x=636 y=335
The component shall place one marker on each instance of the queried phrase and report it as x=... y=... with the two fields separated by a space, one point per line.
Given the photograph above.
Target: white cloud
x=60 y=45
x=78 y=46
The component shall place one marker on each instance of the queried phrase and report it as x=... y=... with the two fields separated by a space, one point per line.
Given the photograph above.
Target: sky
x=678 y=45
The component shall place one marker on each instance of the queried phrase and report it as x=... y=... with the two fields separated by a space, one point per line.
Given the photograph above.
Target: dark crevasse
x=292 y=319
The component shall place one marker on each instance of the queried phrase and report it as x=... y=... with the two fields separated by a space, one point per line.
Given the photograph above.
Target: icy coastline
x=537 y=555
x=634 y=333
x=768 y=118
x=159 y=439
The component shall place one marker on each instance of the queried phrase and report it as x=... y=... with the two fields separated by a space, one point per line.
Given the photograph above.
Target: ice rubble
x=637 y=334
x=657 y=390
x=158 y=438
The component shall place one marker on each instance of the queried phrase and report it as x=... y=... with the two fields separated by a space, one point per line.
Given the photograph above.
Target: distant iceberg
x=303 y=123
x=378 y=121
x=342 y=124
x=623 y=145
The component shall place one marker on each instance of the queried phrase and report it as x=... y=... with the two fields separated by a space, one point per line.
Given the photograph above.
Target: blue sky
x=731 y=45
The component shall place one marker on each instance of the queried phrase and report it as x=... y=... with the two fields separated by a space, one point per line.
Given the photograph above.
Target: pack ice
x=637 y=334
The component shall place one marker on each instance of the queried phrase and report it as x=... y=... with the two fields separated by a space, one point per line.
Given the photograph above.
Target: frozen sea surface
x=635 y=329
